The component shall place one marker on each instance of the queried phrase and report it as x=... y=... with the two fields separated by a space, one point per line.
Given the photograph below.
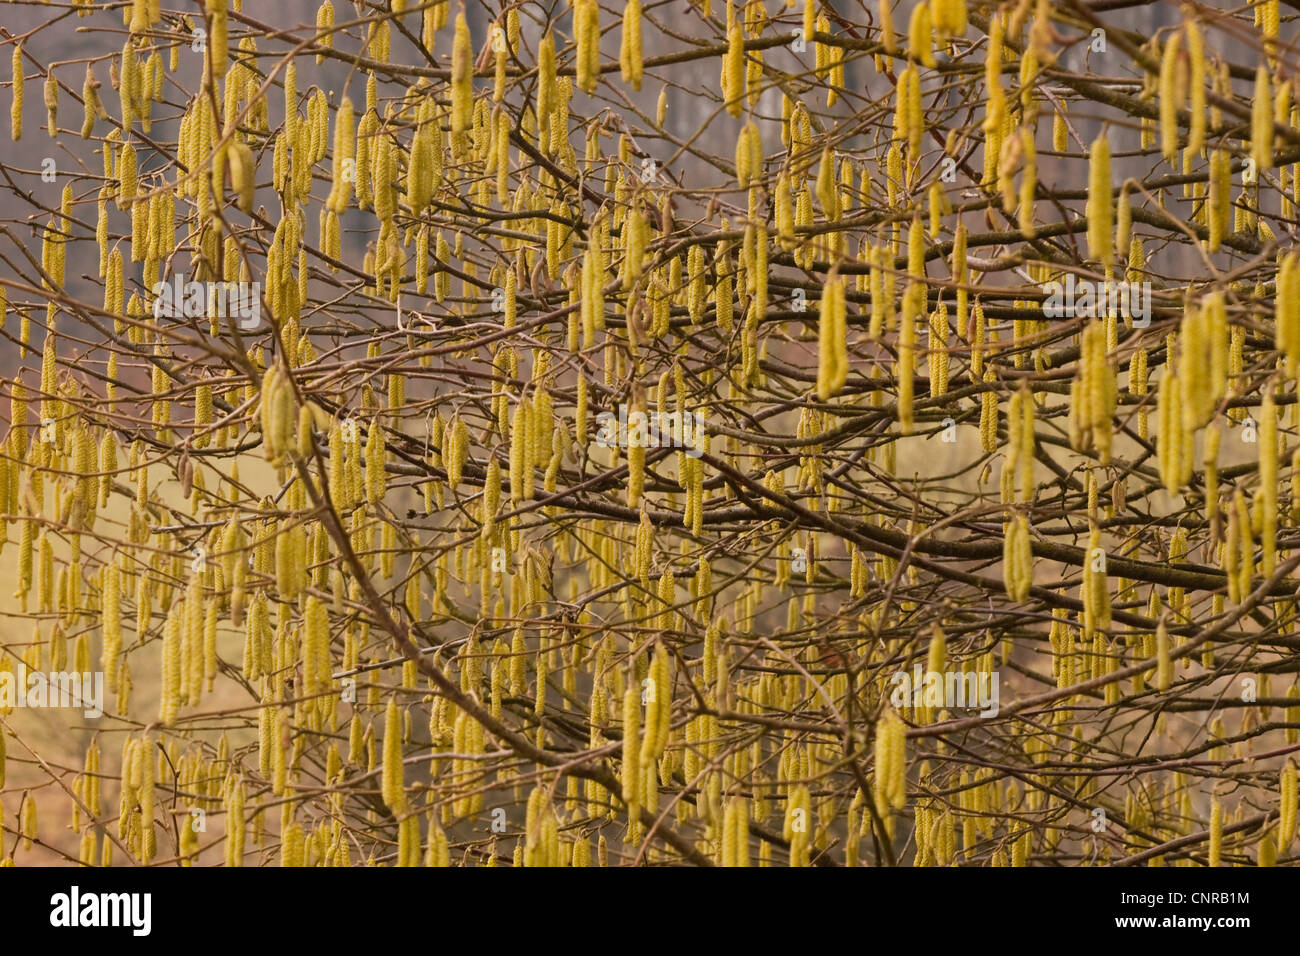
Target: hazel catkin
x=16 y=87
x=833 y=362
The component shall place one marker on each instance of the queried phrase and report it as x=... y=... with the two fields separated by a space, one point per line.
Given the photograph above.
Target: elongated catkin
x=462 y=77
x=833 y=362
x=630 y=50
x=1101 y=207
x=16 y=87
x=1261 y=121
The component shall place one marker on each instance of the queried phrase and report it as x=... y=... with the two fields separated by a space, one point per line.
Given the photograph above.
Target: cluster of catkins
x=511 y=479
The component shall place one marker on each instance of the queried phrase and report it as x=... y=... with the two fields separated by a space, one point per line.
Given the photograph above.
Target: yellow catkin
x=1268 y=850
x=316 y=647
x=112 y=622
x=324 y=27
x=630 y=49
x=939 y=358
x=996 y=116
x=170 y=694
x=920 y=35
x=797 y=823
x=1164 y=666
x=631 y=779
x=1268 y=484
x=547 y=83
x=909 y=120
x=16 y=110
x=735 y=833
x=127 y=177
x=1216 y=832
x=658 y=710
x=393 y=789
x=279 y=414
x=1020 y=434
x=950 y=18
x=833 y=362
x=243 y=172
x=1101 y=208
x=1095 y=598
x=218 y=53
x=586 y=20
x=989 y=415
x=891 y=762
x=1017 y=560
x=1268 y=20
x=1286 y=329
x=462 y=77
x=28 y=824
x=888 y=38
x=52 y=103
x=1196 y=87
x=344 y=153
x=1219 y=212
x=1245 y=556
x=376 y=472
x=906 y=365
x=1289 y=798
x=636 y=452
x=1261 y=122
x=747 y=152
x=733 y=69
x=1123 y=221
x=1093 y=400
x=1028 y=186
x=1171 y=97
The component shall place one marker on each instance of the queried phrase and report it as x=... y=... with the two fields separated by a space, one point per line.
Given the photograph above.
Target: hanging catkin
x=1017 y=560
x=586 y=30
x=393 y=789
x=891 y=762
x=1101 y=206
x=630 y=51
x=52 y=104
x=1268 y=484
x=1289 y=798
x=1172 y=93
x=1197 y=111
x=833 y=362
x=1261 y=122
x=16 y=86
x=462 y=77
x=341 y=182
